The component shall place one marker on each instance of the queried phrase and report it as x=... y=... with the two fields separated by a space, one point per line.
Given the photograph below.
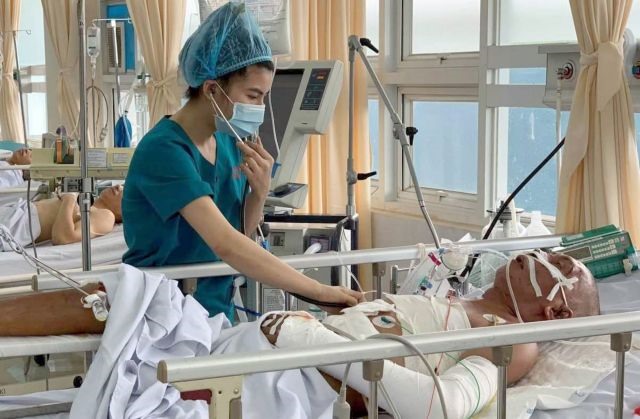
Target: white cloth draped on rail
x=150 y=320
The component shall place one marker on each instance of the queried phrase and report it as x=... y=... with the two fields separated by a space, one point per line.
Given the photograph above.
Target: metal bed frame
x=222 y=374
x=210 y=372
x=392 y=254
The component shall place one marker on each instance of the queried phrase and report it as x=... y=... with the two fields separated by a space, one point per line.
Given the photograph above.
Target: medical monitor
x=303 y=95
x=284 y=92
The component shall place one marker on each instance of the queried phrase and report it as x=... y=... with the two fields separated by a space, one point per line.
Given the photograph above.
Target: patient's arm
x=48 y=313
x=523 y=359
x=410 y=390
x=67 y=228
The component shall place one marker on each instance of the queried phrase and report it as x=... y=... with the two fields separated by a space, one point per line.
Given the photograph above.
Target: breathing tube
x=511 y=197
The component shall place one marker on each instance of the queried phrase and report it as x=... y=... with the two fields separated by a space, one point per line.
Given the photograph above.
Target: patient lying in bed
x=563 y=288
x=58 y=219
x=12 y=178
x=566 y=289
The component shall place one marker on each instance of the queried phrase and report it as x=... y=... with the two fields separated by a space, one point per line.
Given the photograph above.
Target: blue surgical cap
x=228 y=40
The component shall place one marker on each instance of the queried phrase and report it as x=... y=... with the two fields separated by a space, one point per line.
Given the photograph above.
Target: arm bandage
x=410 y=390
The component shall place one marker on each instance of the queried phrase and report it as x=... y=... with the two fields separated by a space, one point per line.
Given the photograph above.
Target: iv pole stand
x=85 y=195
x=19 y=79
x=399 y=133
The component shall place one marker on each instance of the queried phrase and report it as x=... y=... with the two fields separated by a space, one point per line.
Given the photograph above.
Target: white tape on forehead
x=513 y=297
x=563 y=281
x=532 y=275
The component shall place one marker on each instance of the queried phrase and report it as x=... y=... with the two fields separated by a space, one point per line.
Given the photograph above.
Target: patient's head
x=20 y=157
x=579 y=301
x=111 y=199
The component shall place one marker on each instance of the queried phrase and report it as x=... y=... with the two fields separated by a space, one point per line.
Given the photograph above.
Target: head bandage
x=562 y=281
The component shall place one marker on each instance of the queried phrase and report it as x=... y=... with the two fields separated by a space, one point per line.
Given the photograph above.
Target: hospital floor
x=23 y=375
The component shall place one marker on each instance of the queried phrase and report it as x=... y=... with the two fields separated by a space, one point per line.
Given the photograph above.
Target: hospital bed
x=618 y=295
x=189 y=374
x=106 y=250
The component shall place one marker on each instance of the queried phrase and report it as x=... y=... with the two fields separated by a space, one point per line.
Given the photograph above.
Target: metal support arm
x=620 y=343
x=372 y=372
x=399 y=132
x=502 y=359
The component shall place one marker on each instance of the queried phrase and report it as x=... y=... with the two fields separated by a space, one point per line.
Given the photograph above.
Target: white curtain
x=159 y=25
x=61 y=17
x=600 y=177
x=10 y=116
x=320 y=29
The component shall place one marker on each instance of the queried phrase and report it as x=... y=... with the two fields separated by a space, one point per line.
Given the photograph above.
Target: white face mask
x=562 y=281
x=244 y=122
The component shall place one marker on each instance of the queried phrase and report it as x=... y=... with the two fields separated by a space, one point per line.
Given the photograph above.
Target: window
x=531 y=137
x=445 y=150
x=31 y=46
x=480 y=110
x=545 y=21
x=191 y=19
x=374 y=136
x=444 y=26
x=31 y=57
x=523 y=76
x=372 y=24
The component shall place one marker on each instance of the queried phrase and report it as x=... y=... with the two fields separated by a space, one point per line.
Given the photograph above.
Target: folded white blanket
x=566 y=372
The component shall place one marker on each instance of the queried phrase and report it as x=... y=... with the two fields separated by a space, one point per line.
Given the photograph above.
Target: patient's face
x=531 y=307
x=112 y=200
x=21 y=157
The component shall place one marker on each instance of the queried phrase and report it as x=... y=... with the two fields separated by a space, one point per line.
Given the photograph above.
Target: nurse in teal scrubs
x=183 y=200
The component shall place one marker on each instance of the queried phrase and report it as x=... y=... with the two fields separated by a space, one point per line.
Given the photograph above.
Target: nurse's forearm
x=243 y=253
x=253 y=213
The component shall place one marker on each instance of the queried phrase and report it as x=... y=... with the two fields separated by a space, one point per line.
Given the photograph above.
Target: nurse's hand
x=340 y=295
x=257 y=164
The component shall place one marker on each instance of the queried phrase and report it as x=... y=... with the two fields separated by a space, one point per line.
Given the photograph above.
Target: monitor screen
x=283 y=94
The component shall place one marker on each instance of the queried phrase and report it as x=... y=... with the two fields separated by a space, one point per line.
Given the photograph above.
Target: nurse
x=185 y=189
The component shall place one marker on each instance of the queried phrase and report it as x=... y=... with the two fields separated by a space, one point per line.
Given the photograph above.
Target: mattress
x=105 y=250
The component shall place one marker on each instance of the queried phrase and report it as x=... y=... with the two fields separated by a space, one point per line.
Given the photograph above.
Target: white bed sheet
x=105 y=250
x=617 y=294
x=9 y=197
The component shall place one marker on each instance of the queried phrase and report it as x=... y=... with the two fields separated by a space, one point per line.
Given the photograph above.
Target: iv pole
x=399 y=132
x=19 y=76
x=85 y=195
x=111 y=24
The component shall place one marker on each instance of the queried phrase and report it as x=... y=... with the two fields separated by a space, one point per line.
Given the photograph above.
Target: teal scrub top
x=166 y=173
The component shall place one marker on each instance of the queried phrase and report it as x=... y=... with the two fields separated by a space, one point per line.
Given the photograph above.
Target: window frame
x=411 y=60
x=406 y=76
x=411 y=95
